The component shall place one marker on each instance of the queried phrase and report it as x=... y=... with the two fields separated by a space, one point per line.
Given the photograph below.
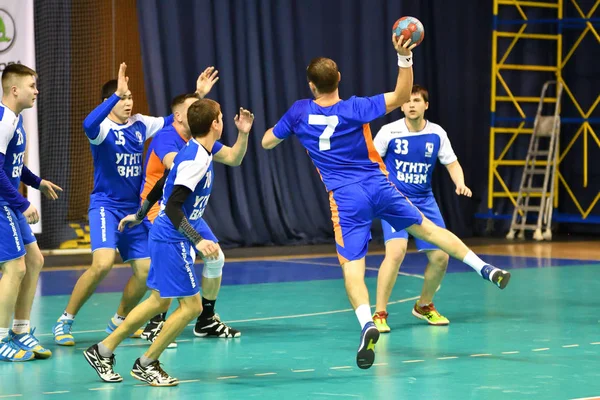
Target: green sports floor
x=537 y=339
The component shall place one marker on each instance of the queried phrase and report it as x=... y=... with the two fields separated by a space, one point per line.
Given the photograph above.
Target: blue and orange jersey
x=168 y=140
x=337 y=138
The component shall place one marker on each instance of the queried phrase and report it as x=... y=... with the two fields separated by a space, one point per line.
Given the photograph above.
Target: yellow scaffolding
x=584 y=120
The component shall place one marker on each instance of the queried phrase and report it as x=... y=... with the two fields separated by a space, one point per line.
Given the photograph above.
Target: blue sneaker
x=365 y=357
x=497 y=276
x=110 y=328
x=9 y=351
x=62 y=332
x=28 y=342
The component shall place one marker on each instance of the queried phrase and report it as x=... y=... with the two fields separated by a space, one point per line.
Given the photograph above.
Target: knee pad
x=214 y=268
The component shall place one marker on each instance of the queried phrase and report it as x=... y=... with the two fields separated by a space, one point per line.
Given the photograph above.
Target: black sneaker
x=153 y=334
x=213 y=327
x=153 y=374
x=102 y=365
x=365 y=356
x=497 y=276
x=150 y=330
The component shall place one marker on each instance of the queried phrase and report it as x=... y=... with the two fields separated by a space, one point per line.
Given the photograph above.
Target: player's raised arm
x=234 y=155
x=206 y=80
x=91 y=124
x=404 y=83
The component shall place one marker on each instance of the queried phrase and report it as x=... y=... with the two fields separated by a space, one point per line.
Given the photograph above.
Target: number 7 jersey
x=337 y=138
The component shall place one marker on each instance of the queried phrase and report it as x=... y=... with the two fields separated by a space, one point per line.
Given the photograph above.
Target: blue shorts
x=353 y=208
x=428 y=206
x=15 y=234
x=172 y=272
x=104 y=233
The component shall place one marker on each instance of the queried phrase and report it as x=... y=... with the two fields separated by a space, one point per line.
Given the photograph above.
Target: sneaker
x=365 y=357
x=380 y=320
x=62 y=332
x=110 y=328
x=10 y=351
x=153 y=374
x=150 y=329
x=102 y=365
x=497 y=276
x=430 y=314
x=213 y=327
x=151 y=334
x=28 y=342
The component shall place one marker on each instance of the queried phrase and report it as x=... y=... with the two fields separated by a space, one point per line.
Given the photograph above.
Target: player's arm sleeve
x=217 y=147
x=91 y=123
x=155 y=124
x=8 y=192
x=381 y=142
x=29 y=178
x=163 y=146
x=284 y=128
x=152 y=197
x=174 y=212
x=366 y=109
x=446 y=154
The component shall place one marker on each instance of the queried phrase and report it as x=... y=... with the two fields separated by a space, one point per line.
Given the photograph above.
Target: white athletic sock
x=363 y=313
x=118 y=320
x=65 y=315
x=3 y=333
x=473 y=261
x=20 y=326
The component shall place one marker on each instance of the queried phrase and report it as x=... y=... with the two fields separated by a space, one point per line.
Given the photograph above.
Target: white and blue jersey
x=117 y=152
x=172 y=255
x=14 y=229
x=410 y=158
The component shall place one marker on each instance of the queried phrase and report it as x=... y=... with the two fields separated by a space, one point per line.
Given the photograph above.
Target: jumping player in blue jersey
x=176 y=232
x=337 y=138
x=410 y=148
x=117 y=142
x=20 y=258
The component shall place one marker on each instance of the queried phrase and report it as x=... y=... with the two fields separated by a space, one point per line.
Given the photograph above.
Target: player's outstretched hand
x=122 y=81
x=463 y=190
x=49 y=189
x=244 y=121
x=128 y=222
x=208 y=249
x=206 y=80
x=31 y=215
x=402 y=46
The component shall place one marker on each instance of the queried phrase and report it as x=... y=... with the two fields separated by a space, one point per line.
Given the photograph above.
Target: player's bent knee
x=440 y=260
x=15 y=269
x=214 y=268
x=395 y=252
x=192 y=306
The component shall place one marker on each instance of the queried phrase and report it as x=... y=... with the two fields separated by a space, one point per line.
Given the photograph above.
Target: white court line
x=10 y=395
x=342 y=367
x=103 y=388
x=59 y=392
x=480 y=355
x=447 y=358
x=594 y=343
x=303 y=370
x=266 y=374
x=570 y=345
x=379 y=364
x=337 y=394
x=412 y=361
x=228 y=377
x=542 y=349
x=510 y=352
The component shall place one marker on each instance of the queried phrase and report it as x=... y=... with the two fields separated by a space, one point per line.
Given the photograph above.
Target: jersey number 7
x=330 y=123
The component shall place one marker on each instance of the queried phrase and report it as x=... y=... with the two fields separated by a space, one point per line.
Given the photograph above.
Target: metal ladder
x=545 y=128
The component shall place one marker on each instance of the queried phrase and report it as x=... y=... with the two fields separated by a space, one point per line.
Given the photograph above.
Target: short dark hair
x=180 y=99
x=323 y=73
x=420 y=89
x=109 y=88
x=201 y=115
x=13 y=70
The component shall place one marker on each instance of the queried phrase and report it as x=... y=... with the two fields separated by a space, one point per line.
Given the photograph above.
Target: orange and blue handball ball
x=409 y=28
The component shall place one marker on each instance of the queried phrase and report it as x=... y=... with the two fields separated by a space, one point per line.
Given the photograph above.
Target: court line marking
x=10 y=395
x=447 y=358
x=510 y=352
x=379 y=364
x=228 y=377
x=570 y=345
x=303 y=370
x=103 y=388
x=342 y=367
x=480 y=355
x=412 y=361
x=542 y=349
x=58 y=392
x=594 y=343
x=337 y=394
x=266 y=374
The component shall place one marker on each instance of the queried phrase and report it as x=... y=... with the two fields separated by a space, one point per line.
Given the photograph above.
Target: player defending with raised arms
x=20 y=258
x=117 y=142
x=177 y=231
x=337 y=137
